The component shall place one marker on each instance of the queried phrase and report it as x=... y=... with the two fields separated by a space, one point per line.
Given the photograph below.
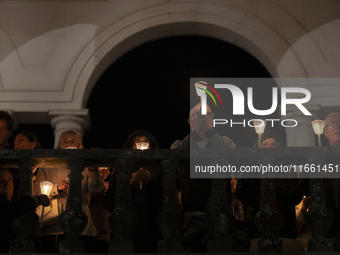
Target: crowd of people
x=99 y=193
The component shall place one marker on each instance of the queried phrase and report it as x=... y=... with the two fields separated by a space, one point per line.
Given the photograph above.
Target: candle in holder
x=259 y=125
x=142 y=146
x=45 y=188
x=318 y=126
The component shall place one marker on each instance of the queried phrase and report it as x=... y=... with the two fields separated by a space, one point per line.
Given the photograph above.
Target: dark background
x=148 y=88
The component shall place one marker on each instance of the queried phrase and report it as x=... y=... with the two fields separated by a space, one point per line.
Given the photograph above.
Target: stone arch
x=50 y=70
x=233 y=26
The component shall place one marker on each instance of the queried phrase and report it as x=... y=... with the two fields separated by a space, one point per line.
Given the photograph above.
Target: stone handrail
x=94 y=157
x=29 y=160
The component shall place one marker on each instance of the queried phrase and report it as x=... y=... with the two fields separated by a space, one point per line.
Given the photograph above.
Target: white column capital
x=82 y=115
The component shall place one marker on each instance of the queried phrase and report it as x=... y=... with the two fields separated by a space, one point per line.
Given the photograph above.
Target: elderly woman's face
x=269 y=142
x=69 y=140
x=139 y=139
x=21 y=142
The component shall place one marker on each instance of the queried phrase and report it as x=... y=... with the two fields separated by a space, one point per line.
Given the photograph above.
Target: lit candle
x=45 y=188
x=318 y=126
x=142 y=146
x=259 y=125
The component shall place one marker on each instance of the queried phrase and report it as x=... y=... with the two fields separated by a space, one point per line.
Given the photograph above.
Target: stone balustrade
x=218 y=216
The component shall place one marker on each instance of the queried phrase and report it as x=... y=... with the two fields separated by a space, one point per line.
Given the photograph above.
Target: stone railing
x=170 y=219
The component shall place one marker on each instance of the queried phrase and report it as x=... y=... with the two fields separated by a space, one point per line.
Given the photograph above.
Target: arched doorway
x=148 y=88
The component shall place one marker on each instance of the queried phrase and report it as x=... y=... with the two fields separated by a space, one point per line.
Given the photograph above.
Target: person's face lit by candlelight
x=269 y=142
x=140 y=139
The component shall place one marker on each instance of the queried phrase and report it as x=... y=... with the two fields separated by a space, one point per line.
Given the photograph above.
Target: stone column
x=77 y=120
x=26 y=225
x=268 y=220
x=122 y=221
x=301 y=135
x=73 y=221
x=170 y=220
x=219 y=218
x=319 y=219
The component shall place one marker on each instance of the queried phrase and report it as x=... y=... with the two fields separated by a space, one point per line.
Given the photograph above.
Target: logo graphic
x=201 y=90
x=238 y=99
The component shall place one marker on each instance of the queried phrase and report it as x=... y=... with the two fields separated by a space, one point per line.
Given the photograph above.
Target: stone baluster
x=219 y=218
x=122 y=221
x=268 y=220
x=73 y=221
x=318 y=218
x=26 y=225
x=170 y=219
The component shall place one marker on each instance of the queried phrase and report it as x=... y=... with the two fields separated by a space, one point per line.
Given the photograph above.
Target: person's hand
x=305 y=204
x=306 y=201
x=142 y=175
x=104 y=172
x=62 y=186
x=44 y=200
x=196 y=122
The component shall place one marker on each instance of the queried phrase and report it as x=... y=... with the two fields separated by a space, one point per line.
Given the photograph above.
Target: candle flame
x=46 y=187
x=142 y=145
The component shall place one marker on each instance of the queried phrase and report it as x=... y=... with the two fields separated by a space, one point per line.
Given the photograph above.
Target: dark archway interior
x=148 y=88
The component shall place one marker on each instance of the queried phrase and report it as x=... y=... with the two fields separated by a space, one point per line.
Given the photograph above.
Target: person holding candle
x=136 y=138
x=146 y=194
x=91 y=183
x=195 y=193
x=269 y=139
x=332 y=186
x=331 y=130
x=11 y=209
